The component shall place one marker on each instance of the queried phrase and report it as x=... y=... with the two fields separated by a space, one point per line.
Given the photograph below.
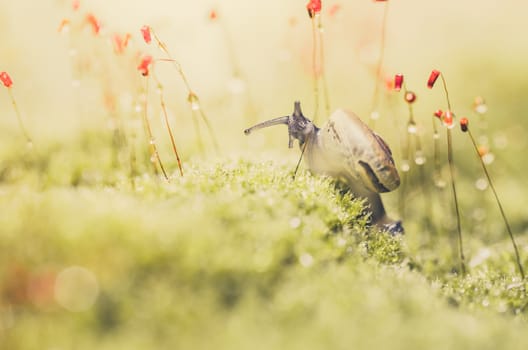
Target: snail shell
x=346 y=147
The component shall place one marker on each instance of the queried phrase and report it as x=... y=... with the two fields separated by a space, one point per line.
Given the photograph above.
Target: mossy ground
x=99 y=252
x=236 y=254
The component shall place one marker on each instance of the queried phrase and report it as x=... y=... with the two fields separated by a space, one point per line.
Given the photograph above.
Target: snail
x=346 y=149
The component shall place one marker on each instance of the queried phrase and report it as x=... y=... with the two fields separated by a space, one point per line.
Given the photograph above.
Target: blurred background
x=254 y=59
x=82 y=99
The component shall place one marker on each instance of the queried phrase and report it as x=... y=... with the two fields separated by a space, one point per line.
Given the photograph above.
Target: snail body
x=346 y=149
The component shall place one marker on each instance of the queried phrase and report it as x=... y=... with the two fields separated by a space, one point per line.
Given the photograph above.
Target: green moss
x=236 y=254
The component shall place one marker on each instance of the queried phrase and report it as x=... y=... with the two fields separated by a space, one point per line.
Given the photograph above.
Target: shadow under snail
x=346 y=149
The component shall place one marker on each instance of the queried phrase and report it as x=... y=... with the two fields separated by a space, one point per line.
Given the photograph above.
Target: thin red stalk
x=517 y=255
x=453 y=186
x=152 y=142
x=322 y=67
x=457 y=210
x=406 y=152
x=167 y=124
x=179 y=68
x=436 y=151
x=19 y=118
x=379 y=66
x=314 y=69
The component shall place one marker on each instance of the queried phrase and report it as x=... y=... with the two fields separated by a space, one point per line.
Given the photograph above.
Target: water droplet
x=236 y=86
x=436 y=136
x=411 y=128
x=341 y=242
x=295 y=222
x=152 y=141
x=449 y=124
x=306 y=260
x=374 y=115
x=405 y=165
x=479 y=214
x=481 y=108
x=440 y=183
x=76 y=289
x=194 y=101
x=488 y=158
x=419 y=158
x=138 y=108
x=481 y=184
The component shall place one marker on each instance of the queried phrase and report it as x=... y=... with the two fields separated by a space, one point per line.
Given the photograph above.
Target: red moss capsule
x=75 y=5
x=94 y=23
x=398 y=81
x=410 y=97
x=63 y=26
x=438 y=113
x=6 y=79
x=120 y=42
x=432 y=78
x=448 y=119
x=464 y=124
x=334 y=9
x=313 y=7
x=213 y=15
x=144 y=65
x=145 y=32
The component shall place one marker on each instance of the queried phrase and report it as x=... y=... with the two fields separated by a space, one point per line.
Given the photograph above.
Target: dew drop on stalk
x=479 y=105
x=481 y=184
x=412 y=128
x=193 y=100
x=152 y=141
x=440 y=183
x=195 y=106
x=488 y=158
x=405 y=167
x=436 y=136
x=419 y=158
